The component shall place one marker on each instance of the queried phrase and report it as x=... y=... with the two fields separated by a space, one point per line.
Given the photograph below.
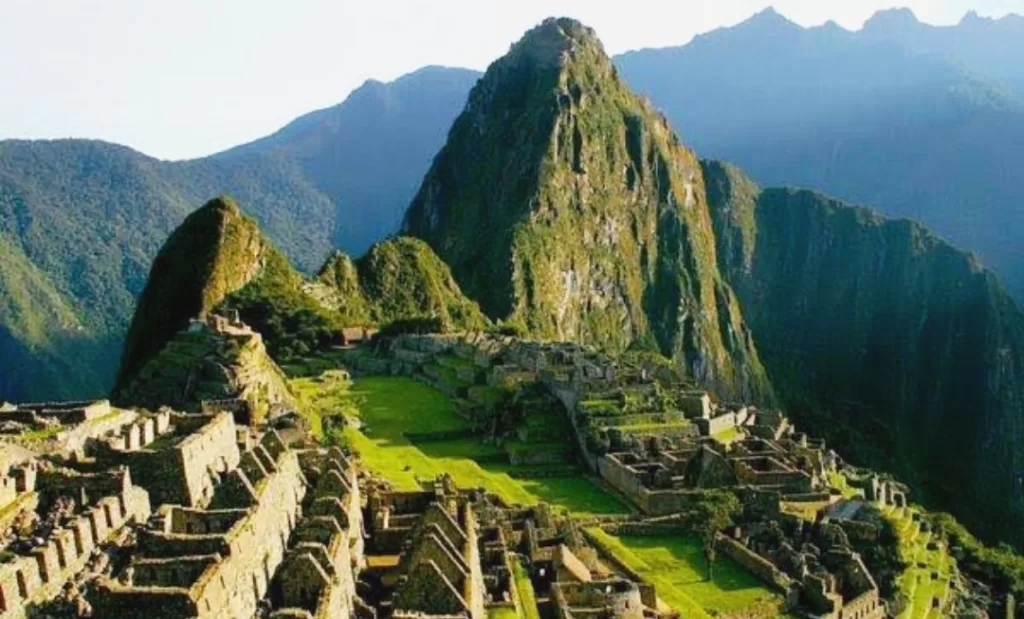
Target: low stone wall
x=864 y=606
x=756 y=564
x=860 y=532
x=77 y=438
x=715 y=425
x=646 y=529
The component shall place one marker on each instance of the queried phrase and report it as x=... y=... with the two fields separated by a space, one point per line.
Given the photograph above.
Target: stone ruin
x=661 y=444
x=59 y=524
x=129 y=513
x=445 y=552
x=133 y=513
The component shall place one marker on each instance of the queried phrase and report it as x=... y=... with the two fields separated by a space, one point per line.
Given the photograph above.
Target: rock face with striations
x=564 y=201
x=904 y=349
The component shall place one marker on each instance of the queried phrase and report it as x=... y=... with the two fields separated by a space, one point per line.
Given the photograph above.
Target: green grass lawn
x=388 y=407
x=502 y=612
x=676 y=567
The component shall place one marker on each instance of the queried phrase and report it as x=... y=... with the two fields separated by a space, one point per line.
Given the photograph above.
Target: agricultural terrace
x=926 y=583
x=381 y=414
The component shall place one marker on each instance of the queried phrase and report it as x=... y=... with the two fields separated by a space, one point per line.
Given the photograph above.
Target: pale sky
x=186 y=78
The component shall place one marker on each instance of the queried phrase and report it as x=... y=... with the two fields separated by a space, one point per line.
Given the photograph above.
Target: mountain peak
x=892 y=21
x=768 y=18
x=564 y=202
x=549 y=43
x=220 y=206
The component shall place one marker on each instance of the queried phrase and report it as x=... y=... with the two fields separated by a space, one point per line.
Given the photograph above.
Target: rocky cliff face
x=564 y=201
x=901 y=348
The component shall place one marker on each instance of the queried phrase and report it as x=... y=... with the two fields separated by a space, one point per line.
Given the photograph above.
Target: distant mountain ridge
x=933 y=137
x=369 y=153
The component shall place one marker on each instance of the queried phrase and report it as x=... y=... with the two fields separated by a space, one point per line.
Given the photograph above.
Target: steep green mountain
x=90 y=216
x=219 y=260
x=933 y=137
x=404 y=278
x=904 y=351
x=564 y=201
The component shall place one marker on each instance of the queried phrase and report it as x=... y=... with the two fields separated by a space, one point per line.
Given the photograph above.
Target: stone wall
x=40 y=575
x=68 y=412
x=180 y=464
x=613 y=598
x=198 y=456
x=865 y=606
x=317 y=576
x=756 y=564
x=256 y=545
x=714 y=425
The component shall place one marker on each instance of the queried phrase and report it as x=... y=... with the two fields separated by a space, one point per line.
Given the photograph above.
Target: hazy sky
x=185 y=78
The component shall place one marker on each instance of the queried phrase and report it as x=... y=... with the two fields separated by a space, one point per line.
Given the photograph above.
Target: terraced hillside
x=409 y=432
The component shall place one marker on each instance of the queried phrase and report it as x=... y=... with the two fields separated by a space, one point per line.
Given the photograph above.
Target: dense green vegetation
x=291 y=321
x=380 y=411
x=400 y=285
x=564 y=201
x=41 y=336
x=405 y=279
x=881 y=337
x=218 y=261
x=998 y=565
x=676 y=566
